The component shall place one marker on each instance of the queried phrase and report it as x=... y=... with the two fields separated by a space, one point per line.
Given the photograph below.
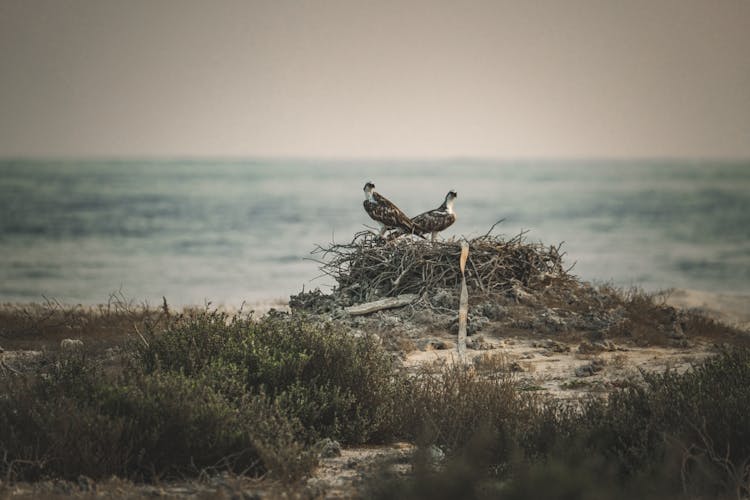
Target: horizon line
x=376 y=159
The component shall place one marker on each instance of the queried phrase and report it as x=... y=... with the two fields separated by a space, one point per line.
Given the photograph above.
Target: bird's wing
x=434 y=220
x=383 y=210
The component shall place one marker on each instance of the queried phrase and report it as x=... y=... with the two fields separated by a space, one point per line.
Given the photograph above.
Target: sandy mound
x=733 y=309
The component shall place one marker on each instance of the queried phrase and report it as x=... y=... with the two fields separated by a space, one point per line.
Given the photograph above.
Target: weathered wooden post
x=463 y=305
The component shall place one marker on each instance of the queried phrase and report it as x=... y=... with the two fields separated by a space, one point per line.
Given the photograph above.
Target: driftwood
x=379 y=305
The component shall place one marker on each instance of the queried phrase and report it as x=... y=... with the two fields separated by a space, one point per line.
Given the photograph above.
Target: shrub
x=705 y=411
x=469 y=477
x=677 y=434
x=72 y=420
x=710 y=401
x=336 y=384
x=446 y=407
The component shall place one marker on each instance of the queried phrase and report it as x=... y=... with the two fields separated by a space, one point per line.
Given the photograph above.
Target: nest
x=368 y=267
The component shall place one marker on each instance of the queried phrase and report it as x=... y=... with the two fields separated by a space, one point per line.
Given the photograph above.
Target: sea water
x=224 y=232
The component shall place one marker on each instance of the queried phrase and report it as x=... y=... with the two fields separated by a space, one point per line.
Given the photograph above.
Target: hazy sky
x=624 y=78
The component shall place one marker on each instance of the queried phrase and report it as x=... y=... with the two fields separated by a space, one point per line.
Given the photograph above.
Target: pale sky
x=348 y=78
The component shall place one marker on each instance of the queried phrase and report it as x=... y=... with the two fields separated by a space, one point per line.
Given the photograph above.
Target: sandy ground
x=569 y=369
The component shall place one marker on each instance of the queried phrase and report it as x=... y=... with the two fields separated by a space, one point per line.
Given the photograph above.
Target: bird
x=383 y=211
x=438 y=219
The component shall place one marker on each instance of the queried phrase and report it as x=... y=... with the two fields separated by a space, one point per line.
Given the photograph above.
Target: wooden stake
x=463 y=305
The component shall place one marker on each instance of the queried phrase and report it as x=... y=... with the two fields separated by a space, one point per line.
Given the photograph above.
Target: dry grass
x=648 y=321
x=35 y=326
x=493 y=362
x=618 y=361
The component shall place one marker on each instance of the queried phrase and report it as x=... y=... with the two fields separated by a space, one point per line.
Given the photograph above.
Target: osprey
x=438 y=219
x=382 y=210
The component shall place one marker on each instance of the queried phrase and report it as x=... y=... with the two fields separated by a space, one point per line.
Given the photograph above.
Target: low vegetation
x=335 y=384
x=672 y=436
x=205 y=391
x=69 y=420
x=199 y=391
x=38 y=326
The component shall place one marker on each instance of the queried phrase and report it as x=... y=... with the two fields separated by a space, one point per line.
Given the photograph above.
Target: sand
x=733 y=309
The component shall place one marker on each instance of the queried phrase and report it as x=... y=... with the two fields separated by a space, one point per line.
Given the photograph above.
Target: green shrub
x=705 y=414
x=337 y=385
x=713 y=398
x=674 y=435
x=469 y=476
x=465 y=476
x=701 y=413
x=72 y=420
x=446 y=407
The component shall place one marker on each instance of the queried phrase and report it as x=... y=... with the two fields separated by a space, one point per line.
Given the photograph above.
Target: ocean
x=228 y=232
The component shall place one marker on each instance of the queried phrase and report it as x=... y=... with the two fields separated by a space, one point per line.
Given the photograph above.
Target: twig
x=493 y=227
x=368 y=268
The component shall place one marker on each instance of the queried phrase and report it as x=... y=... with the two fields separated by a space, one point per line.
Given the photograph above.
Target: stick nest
x=369 y=268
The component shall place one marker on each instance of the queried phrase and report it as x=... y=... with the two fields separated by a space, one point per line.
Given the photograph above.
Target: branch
x=379 y=305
